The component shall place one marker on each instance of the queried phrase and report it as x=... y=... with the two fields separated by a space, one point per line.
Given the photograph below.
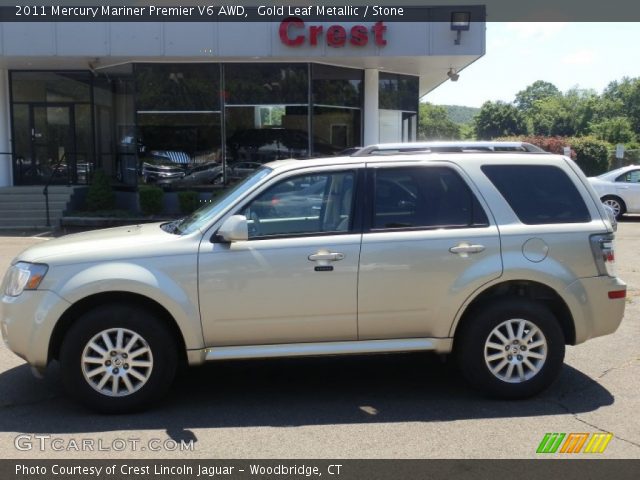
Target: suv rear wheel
x=116 y=359
x=511 y=349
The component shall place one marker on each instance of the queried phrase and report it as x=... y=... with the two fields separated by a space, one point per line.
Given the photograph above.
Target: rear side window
x=539 y=194
x=632 y=176
x=424 y=197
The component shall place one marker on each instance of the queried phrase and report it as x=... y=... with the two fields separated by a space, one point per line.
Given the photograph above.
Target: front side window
x=424 y=197
x=307 y=204
x=632 y=176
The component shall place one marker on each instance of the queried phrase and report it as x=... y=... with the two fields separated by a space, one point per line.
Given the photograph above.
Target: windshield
x=202 y=217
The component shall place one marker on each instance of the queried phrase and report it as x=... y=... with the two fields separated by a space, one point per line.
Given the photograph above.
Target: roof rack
x=447 y=147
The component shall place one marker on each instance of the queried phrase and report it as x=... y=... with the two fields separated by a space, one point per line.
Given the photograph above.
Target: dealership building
x=88 y=95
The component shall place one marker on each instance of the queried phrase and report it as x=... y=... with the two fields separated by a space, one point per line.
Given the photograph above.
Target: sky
x=586 y=55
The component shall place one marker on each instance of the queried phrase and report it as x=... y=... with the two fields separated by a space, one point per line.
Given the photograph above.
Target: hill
x=460 y=114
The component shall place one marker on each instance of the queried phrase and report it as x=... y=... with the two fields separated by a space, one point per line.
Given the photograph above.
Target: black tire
x=158 y=338
x=470 y=345
x=612 y=200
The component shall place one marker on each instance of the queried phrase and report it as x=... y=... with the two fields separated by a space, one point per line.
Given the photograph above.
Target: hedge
x=188 y=201
x=100 y=195
x=589 y=153
x=150 y=199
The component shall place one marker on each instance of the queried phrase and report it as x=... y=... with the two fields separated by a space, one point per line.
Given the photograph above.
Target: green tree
x=435 y=124
x=539 y=90
x=582 y=107
x=566 y=114
x=548 y=117
x=624 y=98
x=467 y=131
x=498 y=119
x=613 y=130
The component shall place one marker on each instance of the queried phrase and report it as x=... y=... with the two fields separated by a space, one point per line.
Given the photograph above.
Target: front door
x=295 y=279
x=48 y=143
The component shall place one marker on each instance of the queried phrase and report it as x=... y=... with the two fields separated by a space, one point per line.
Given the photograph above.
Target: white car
x=619 y=189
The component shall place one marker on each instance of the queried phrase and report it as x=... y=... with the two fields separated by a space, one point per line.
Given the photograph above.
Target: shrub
x=188 y=201
x=100 y=195
x=150 y=199
x=592 y=155
x=548 y=144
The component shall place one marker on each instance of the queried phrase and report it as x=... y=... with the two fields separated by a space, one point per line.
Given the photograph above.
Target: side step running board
x=439 y=345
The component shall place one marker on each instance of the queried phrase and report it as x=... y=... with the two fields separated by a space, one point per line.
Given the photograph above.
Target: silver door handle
x=466 y=248
x=326 y=256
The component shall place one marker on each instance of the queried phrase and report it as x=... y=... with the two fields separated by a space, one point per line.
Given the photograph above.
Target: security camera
x=453 y=76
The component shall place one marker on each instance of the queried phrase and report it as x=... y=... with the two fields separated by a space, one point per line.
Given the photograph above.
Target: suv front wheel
x=511 y=349
x=117 y=359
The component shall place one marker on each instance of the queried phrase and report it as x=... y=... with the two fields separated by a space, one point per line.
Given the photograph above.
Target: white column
x=371 y=116
x=5 y=138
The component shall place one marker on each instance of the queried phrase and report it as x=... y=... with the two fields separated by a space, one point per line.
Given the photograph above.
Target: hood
x=108 y=244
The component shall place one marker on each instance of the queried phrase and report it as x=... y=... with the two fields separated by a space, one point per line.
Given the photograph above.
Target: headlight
x=24 y=276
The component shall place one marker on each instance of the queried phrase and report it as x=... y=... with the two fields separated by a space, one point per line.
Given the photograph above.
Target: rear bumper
x=594 y=313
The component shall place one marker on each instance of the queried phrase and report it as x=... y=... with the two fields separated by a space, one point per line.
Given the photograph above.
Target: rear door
x=429 y=242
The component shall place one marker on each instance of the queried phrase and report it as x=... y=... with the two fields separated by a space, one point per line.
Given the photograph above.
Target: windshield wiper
x=172 y=227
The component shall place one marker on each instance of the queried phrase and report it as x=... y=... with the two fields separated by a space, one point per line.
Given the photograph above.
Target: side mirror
x=234 y=229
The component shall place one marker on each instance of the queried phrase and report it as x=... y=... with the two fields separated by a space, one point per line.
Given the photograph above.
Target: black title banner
x=326 y=11
x=312 y=469
x=230 y=13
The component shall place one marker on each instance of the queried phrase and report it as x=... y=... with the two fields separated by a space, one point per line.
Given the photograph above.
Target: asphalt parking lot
x=395 y=406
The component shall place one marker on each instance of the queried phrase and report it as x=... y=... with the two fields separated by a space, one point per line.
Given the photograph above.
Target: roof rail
x=447 y=147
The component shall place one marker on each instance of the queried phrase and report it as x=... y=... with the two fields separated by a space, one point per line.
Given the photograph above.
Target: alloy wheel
x=117 y=362
x=515 y=351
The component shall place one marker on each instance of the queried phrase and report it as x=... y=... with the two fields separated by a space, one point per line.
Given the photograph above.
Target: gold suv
x=498 y=258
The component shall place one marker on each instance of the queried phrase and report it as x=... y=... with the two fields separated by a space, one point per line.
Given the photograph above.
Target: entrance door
x=52 y=139
x=49 y=139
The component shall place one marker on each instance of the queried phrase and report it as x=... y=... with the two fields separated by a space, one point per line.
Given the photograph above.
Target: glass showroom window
x=266 y=114
x=179 y=125
x=398 y=97
x=337 y=108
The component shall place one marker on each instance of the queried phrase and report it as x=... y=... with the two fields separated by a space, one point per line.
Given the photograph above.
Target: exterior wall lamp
x=460 y=22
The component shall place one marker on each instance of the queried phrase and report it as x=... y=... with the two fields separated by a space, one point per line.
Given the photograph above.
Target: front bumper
x=594 y=313
x=27 y=322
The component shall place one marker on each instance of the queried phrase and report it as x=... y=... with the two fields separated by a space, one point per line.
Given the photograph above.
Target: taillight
x=603 y=252
x=617 y=294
